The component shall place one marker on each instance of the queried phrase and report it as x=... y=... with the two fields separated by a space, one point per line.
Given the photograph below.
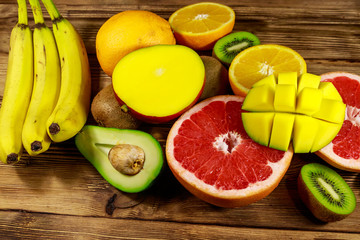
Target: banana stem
x=52 y=10
x=37 y=12
x=22 y=12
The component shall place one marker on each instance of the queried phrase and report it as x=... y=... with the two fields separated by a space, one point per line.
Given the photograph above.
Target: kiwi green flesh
x=231 y=45
x=95 y=142
x=326 y=193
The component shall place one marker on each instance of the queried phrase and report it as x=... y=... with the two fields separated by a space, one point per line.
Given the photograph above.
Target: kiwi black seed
x=226 y=48
x=325 y=192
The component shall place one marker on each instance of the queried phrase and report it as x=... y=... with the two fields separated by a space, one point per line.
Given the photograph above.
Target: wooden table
x=60 y=195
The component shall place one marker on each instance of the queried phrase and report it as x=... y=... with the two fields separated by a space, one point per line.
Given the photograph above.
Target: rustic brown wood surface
x=60 y=195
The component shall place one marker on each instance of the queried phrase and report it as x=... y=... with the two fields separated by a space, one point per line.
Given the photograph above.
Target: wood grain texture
x=60 y=195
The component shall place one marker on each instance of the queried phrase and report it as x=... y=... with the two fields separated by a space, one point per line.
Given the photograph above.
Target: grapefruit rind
x=211 y=194
x=313 y=104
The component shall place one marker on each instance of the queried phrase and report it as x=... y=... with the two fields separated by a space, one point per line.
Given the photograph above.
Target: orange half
x=200 y=25
x=258 y=62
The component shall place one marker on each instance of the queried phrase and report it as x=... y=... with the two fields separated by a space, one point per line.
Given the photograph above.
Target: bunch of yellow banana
x=47 y=89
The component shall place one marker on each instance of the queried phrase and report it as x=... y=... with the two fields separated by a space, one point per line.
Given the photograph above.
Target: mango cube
x=281 y=132
x=331 y=111
x=285 y=98
x=260 y=98
x=308 y=80
x=305 y=130
x=288 y=78
x=326 y=133
x=269 y=80
x=329 y=91
x=309 y=101
x=258 y=125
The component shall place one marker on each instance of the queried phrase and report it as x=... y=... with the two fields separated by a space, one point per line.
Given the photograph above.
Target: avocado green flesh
x=322 y=181
x=95 y=142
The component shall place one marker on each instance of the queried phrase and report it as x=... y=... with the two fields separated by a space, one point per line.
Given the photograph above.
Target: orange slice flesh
x=200 y=25
x=258 y=62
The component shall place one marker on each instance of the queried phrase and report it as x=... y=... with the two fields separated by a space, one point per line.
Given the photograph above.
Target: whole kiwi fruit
x=325 y=193
x=217 y=80
x=107 y=111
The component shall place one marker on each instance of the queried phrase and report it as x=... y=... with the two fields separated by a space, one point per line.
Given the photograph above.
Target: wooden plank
x=62 y=182
x=25 y=225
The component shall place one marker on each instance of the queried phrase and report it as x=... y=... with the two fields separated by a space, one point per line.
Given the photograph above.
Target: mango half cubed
x=258 y=126
x=285 y=98
x=331 y=111
x=269 y=80
x=305 y=130
x=281 y=132
x=329 y=91
x=308 y=80
x=308 y=101
x=260 y=98
x=288 y=78
x=326 y=133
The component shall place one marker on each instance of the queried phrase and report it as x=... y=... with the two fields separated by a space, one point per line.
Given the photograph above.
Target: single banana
x=71 y=111
x=18 y=88
x=46 y=85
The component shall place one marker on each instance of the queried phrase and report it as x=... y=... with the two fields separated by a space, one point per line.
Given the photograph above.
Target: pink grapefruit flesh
x=344 y=150
x=211 y=155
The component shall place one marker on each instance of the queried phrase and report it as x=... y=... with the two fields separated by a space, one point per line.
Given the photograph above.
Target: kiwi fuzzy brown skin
x=217 y=79
x=108 y=113
x=317 y=208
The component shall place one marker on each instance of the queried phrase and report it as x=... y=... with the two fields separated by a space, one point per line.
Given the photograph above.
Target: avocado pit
x=127 y=159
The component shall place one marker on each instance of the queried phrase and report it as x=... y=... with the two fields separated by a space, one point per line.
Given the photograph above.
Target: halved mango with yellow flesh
x=160 y=82
x=307 y=112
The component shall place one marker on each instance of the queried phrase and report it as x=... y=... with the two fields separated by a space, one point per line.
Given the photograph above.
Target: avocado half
x=95 y=142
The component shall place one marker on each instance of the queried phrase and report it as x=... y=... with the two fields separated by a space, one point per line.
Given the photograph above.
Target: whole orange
x=128 y=31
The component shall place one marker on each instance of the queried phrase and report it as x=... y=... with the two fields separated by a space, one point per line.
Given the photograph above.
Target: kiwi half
x=325 y=193
x=226 y=48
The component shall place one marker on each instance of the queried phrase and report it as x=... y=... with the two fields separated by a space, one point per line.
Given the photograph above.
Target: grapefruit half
x=211 y=155
x=344 y=150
